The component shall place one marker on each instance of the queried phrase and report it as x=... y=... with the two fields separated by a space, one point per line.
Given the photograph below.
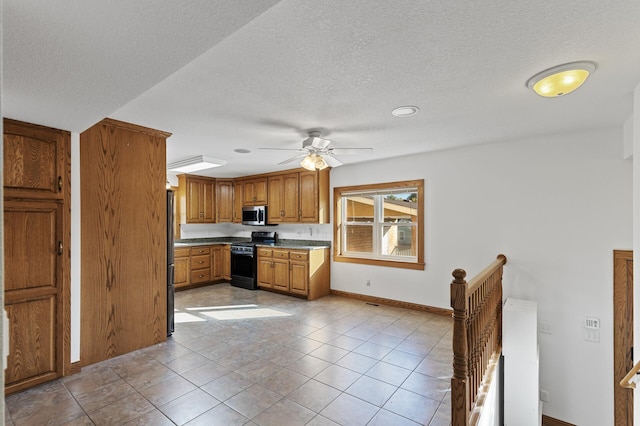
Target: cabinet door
x=32 y=293
x=224 y=200
x=181 y=272
x=208 y=201
x=281 y=274
x=290 y=196
x=33 y=160
x=308 y=189
x=238 y=200
x=249 y=193
x=216 y=263
x=194 y=201
x=275 y=201
x=226 y=261
x=260 y=191
x=299 y=277
x=265 y=272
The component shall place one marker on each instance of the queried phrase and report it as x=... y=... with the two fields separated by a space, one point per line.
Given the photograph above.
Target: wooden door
x=299 y=277
x=216 y=262
x=37 y=252
x=224 y=200
x=208 y=201
x=194 y=201
x=238 y=200
x=34 y=161
x=260 y=191
x=308 y=189
x=290 y=197
x=226 y=262
x=32 y=238
x=265 y=271
x=622 y=334
x=281 y=274
x=181 y=272
x=275 y=201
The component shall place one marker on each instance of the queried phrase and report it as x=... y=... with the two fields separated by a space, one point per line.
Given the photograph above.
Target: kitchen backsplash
x=285 y=231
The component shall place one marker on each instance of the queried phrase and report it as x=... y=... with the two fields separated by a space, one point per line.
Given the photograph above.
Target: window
x=380 y=224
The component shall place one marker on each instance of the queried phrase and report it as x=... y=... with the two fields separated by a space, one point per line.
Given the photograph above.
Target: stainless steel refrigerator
x=170 y=286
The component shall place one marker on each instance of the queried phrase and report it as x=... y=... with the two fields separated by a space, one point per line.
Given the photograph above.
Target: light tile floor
x=241 y=357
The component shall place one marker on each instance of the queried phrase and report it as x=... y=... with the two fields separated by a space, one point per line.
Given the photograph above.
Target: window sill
x=376 y=262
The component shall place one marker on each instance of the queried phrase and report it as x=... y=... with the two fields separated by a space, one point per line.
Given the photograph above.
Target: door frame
x=622 y=334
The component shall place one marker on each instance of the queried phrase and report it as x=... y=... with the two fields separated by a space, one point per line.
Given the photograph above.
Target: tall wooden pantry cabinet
x=124 y=258
x=37 y=238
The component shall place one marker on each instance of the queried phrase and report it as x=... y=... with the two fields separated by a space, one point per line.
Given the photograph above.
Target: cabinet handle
x=202 y=261
x=60 y=248
x=59 y=183
x=200 y=276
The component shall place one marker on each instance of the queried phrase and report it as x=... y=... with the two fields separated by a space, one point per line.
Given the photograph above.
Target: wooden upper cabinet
x=34 y=160
x=196 y=199
x=255 y=191
x=224 y=200
x=238 y=199
x=283 y=198
x=314 y=196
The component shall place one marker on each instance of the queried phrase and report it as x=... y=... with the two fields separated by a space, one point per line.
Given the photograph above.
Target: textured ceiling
x=223 y=74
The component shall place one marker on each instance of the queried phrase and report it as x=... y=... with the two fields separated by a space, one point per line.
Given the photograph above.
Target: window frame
x=339 y=254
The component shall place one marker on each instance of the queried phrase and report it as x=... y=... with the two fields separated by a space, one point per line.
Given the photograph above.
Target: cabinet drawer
x=200 y=262
x=196 y=251
x=281 y=254
x=265 y=252
x=182 y=252
x=200 y=276
x=299 y=255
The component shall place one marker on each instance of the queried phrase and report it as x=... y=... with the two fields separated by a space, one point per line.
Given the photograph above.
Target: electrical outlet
x=592 y=336
x=545 y=327
x=368 y=283
x=544 y=395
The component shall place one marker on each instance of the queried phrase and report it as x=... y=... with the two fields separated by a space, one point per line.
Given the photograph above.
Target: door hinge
x=59 y=183
x=60 y=248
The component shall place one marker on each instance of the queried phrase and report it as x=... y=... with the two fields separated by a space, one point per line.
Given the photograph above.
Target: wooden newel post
x=460 y=403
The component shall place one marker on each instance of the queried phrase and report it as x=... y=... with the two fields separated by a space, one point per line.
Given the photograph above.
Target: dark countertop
x=284 y=243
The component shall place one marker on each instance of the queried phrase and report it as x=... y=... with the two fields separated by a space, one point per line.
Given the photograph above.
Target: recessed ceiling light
x=405 y=111
x=561 y=79
x=241 y=150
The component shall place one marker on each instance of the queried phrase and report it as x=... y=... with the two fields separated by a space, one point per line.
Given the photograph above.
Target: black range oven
x=244 y=259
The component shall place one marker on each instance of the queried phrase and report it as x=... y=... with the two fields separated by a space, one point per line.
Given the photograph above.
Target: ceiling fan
x=316 y=153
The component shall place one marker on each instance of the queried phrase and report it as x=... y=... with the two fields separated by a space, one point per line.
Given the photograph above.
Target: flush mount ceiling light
x=196 y=163
x=405 y=111
x=314 y=162
x=242 y=151
x=561 y=79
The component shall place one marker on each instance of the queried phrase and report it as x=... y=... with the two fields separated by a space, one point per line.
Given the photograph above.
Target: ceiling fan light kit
x=194 y=164
x=314 y=162
x=562 y=79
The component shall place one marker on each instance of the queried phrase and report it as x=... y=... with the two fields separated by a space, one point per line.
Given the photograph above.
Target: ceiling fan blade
x=285 y=149
x=331 y=161
x=350 y=151
x=292 y=159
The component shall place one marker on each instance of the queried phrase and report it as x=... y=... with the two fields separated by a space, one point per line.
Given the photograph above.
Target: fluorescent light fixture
x=313 y=162
x=405 y=111
x=561 y=79
x=196 y=163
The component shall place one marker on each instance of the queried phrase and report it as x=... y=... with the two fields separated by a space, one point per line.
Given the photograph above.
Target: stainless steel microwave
x=254 y=215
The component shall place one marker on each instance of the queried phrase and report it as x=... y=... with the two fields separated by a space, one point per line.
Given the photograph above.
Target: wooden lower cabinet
x=201 y=265
x=181 y=267
x=298 y=272
x=226 y=261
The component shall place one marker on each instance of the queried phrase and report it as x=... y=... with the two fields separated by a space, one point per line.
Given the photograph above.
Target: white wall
x=75 y=247
x=557 y=207
x=636 y=238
